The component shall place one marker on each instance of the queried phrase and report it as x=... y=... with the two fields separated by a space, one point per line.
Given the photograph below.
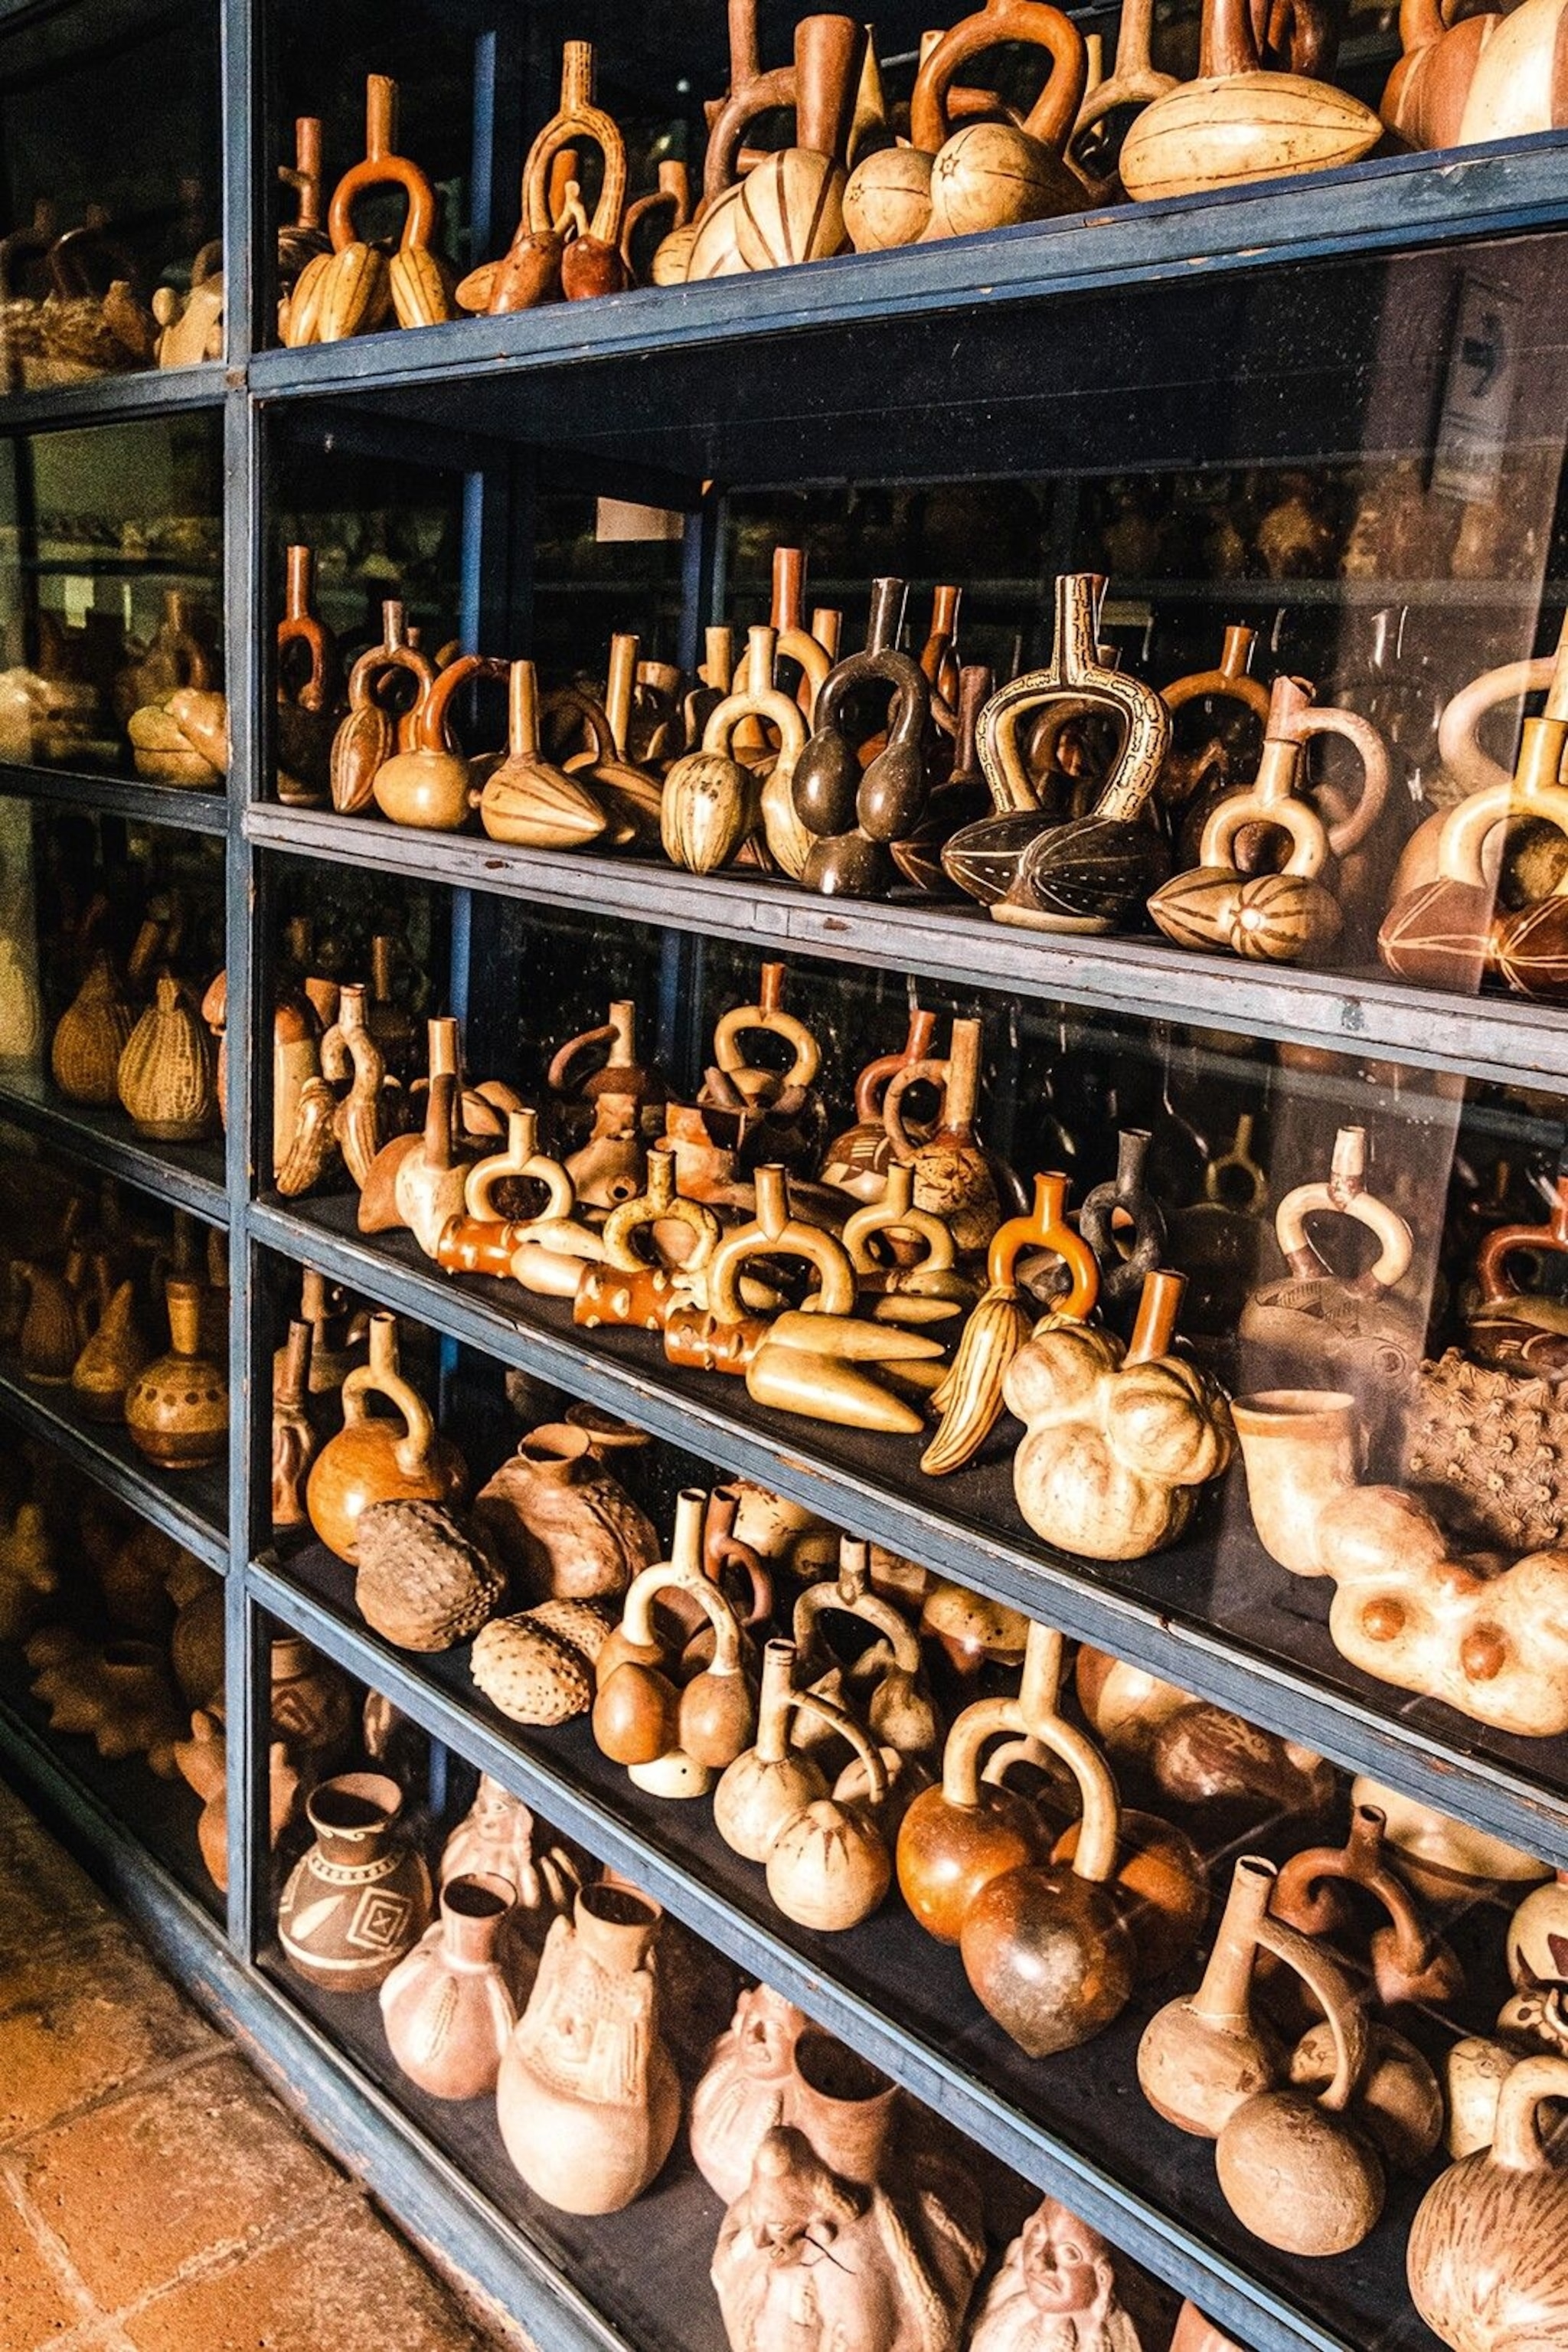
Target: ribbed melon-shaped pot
x=91 y=1035
x=165 y=1078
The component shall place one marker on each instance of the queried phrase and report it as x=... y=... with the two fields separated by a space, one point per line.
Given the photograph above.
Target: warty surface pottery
x=1491 y=1642
x=378 y=1461
x=359 y=1899
x=422 y=1582
x=1296 y=2168
x=561 y=1522
x=1488 y=2257
x=165 y=1076
x=537 y=1671
x=588 y=2101
x=176 y=1408
x=1055 y=2292
x=1118 y=1444
x=446 y=2008
x=745 y=2088
x=1236 y=122
x=900 y=2224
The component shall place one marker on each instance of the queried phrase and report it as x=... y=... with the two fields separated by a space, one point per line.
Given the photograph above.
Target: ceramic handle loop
x=852 y=1596
x=381 y=168
x=380 y=1377
x=1516 y=2139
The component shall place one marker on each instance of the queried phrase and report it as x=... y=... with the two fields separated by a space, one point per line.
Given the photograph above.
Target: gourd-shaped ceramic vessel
x=377 y=1461
x=712 y=802
x=1029 y=866
x=1295 y=2169
x=954 y=1177
x=354 y=290
x=956 y=177
x=1119 y=1443
x=588 y=2101
x=673 y=1735
x=371 y=731
x=91 y=1034
x=112 y=1358
x=527 y=799
x=359 y=1899
x=446 y=2008
x=176 y=1408
x=543 y=264
x=884 y=1686
x=429 y=785
x=1488 y=2257
x=1280 y=914
x=856 y=1160
x=857 y=815
x=165 y=1077
x=827 y=1862
x=848 y=2171
x=745 y=2088
x=1408 y=1964
x=1238 y=123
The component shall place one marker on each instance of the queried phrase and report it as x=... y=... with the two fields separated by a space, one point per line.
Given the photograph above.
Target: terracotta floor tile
x=203 y=2160
x=85 y=2021
x=46 y=1900
x=346 y=2283
x=34 y=2307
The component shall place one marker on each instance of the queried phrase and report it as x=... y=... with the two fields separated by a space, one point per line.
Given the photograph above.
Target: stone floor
x=154 y=2196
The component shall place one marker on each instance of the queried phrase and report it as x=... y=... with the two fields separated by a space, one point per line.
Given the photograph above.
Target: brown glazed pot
x=447 y=2010
x=376 y=1461
x=358 y=1900
x=588 y=2100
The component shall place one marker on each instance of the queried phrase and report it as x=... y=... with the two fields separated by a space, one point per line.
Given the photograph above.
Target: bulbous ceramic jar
x=447 y=2010
x=358 y=1900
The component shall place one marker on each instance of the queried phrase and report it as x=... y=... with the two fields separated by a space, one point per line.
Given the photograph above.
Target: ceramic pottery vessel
x=447 y=2008
x=165 y=1076
x=903 y=2226
x=588 y=2101
x=1055 y=2292
x=358 y=1900
x=422 y=1583
x=1488 y=2258
x=561 y=1523
x=91 y=1034
x=176 y=1409
x=745 y=2088
x=498 y=1837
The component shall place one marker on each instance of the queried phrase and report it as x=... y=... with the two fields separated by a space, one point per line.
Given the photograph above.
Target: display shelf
x=850 y=369
x=188 y=811
x=191 y=1506
x=371 y=2136
x=1505 y=1040
x=160 y=1815
x=1077 y=2126
x=189 y=1174
x=1214 y=1614
x=112 y=399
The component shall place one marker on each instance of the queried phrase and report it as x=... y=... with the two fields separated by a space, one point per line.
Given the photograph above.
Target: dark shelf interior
x=160 y=1815
x=192 y=1504
x=105 y=1134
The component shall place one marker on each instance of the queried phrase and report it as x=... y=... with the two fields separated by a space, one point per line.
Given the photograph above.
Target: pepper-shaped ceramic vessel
x=1118 y=1444
x=527 y=799
x=1236 y=122
x=1026 y=863
x=1055 y=2292
x=379 y=1461
x=165 y=1078
x=446 y=2008
x=1233 y=899
x=1295 y=2166
x=745 y=2088
x=848 y=2171
x=1487 y=2256
x=360 y=1899
x=588 y=2101
x=176 y=1408
x=560 y=1521
x=673 y=1721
